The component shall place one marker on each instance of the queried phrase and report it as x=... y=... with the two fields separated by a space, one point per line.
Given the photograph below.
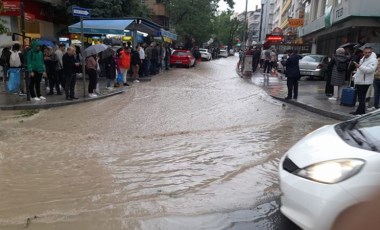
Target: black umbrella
x=108 y=53
x=348 y=45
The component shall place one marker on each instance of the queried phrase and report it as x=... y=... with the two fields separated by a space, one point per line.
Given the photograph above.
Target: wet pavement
x=191 y=149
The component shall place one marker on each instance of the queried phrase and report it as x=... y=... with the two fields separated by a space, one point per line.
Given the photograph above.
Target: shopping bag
x=119 y=78
x=13 y=83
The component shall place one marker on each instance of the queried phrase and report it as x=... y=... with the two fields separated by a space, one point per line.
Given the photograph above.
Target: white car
x=330 y=170
x=223 y=53
x=205 y=55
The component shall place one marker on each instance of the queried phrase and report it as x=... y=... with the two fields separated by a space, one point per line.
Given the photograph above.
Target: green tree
x=227 y=29
x=193 y=19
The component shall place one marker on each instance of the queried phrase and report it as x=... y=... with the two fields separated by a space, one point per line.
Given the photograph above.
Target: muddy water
x=193 y=149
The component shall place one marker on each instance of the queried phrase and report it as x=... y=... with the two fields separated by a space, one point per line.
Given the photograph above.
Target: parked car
x=183 y=58
x=223 y=53
x=330 y=171
x=281 y=57
x=205 y=55
x=314 y=65
x=231 y=52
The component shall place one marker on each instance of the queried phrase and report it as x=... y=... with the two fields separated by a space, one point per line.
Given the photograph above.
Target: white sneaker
x=371 y=109
x=109 y=88
x=36 y=99
x=332 y=98
x=47 y=89
x=92 y=95
x=136 y=81
x=42 y=98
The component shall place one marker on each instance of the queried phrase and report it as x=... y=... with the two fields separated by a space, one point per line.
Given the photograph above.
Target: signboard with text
x=295 y=22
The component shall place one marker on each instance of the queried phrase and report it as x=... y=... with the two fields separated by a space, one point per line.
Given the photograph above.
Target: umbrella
x=348 y=45
x=108 y=53
x=375 y=47
x=94 y=49
x=46 y=43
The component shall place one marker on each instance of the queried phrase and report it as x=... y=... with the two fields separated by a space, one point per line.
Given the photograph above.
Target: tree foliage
x=111 y=8
x=194 y=20
x=227 y=29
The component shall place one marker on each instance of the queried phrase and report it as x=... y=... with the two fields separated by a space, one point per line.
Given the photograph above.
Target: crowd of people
x=358 y=68
x=59 y=67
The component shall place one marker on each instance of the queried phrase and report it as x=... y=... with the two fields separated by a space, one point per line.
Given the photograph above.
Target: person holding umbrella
x=69 y=66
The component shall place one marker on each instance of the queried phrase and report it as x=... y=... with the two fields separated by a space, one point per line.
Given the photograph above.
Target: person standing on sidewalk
x=51 y=62
x=141 y=51
x=91 y=67
x=59 y=53
x=363 y=78
x=36 y=68
x=292 y=74
x=69 y=66
x=16 y=61
x=376 y=85
x=339 y=67
x=135 y=65
x=125 y=63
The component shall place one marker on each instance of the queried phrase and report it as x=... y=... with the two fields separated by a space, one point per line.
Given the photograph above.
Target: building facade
x=330 y=23
x=267 y=21
x=160 y=14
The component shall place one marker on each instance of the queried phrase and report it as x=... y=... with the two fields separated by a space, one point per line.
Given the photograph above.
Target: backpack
x=14 y=60
x=341 y=66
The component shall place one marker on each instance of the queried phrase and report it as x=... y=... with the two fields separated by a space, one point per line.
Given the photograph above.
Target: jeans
x=92 y=80
x=35 y=84
x=376 y=87
x=362 y=93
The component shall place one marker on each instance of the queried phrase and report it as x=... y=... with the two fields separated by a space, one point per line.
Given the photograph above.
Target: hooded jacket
x=365 y=73
x=35 y=59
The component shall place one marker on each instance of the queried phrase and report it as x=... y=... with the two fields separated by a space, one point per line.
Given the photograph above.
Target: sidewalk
x=311 y=95
x=15 y=102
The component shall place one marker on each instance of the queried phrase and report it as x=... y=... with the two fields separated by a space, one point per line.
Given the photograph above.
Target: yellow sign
x=295 y=22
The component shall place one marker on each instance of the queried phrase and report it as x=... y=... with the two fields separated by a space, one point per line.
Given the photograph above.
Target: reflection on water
x=131 y=171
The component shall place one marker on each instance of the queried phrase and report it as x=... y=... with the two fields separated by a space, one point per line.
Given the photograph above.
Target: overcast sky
x=240 y=5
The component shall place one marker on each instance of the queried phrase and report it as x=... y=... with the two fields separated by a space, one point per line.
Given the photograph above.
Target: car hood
x=322 y=145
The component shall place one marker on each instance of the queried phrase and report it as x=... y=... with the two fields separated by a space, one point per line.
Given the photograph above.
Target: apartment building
x=160 y=14
x=268 y=11
x=253 y=25
x=330 y=23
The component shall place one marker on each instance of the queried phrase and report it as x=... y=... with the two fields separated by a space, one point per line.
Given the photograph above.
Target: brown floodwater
x=192 y=149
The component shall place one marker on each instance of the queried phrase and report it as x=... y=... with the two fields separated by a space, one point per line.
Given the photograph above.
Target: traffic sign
x=81 y=12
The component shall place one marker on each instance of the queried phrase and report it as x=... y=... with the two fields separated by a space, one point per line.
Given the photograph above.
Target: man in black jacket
x=69 y=65
x=292 y=73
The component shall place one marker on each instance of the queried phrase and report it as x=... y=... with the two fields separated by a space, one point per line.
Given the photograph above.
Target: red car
x=182 y=57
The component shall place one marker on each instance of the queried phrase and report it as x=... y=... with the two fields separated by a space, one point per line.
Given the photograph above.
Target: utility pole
x=245 y=24
x=24 y=71
x=261 y=21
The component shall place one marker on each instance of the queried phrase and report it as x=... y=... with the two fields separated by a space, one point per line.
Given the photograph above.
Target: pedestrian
x=69 y=66
x=262 y=58
x=51 y=62
x=292 y=74
x=363 y=78
x=167 y=56
x=255 y=58
x=135 y=65
x=141 y=51
x=273 y=60
x=376 y=85
x=266 y=61
x=91 y=67
x=16 y=61
x=4 y=61
x=59 y=53
x=339 y=67
x=36 y=68
x=148 y=57
x=125 y=63
x=154 y=59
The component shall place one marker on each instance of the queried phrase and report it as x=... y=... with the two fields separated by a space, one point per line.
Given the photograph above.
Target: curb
x=336 y=116
x=333 y=115
x=56 y=104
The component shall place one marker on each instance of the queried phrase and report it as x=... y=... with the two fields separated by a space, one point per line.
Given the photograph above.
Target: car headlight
x=331 y=172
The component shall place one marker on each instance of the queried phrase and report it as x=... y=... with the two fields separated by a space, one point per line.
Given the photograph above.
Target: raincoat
x=35 y=59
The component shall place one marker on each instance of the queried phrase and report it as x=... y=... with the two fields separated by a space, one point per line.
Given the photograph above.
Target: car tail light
x=320 y=66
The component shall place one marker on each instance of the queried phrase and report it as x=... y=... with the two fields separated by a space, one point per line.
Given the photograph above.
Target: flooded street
x=192 y=149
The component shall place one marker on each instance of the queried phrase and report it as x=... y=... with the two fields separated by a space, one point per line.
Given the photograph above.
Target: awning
x=168 y=34
x=103 y=26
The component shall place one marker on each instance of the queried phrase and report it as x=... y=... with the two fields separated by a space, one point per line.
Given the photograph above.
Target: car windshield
x=312 y=58
x=202 y=50
x=180 y=53
x=364 y=131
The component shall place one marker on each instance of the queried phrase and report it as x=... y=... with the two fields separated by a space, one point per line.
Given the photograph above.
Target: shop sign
x=11 y=5
x=295 y=22
x=274 y=38
x=30 y=17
